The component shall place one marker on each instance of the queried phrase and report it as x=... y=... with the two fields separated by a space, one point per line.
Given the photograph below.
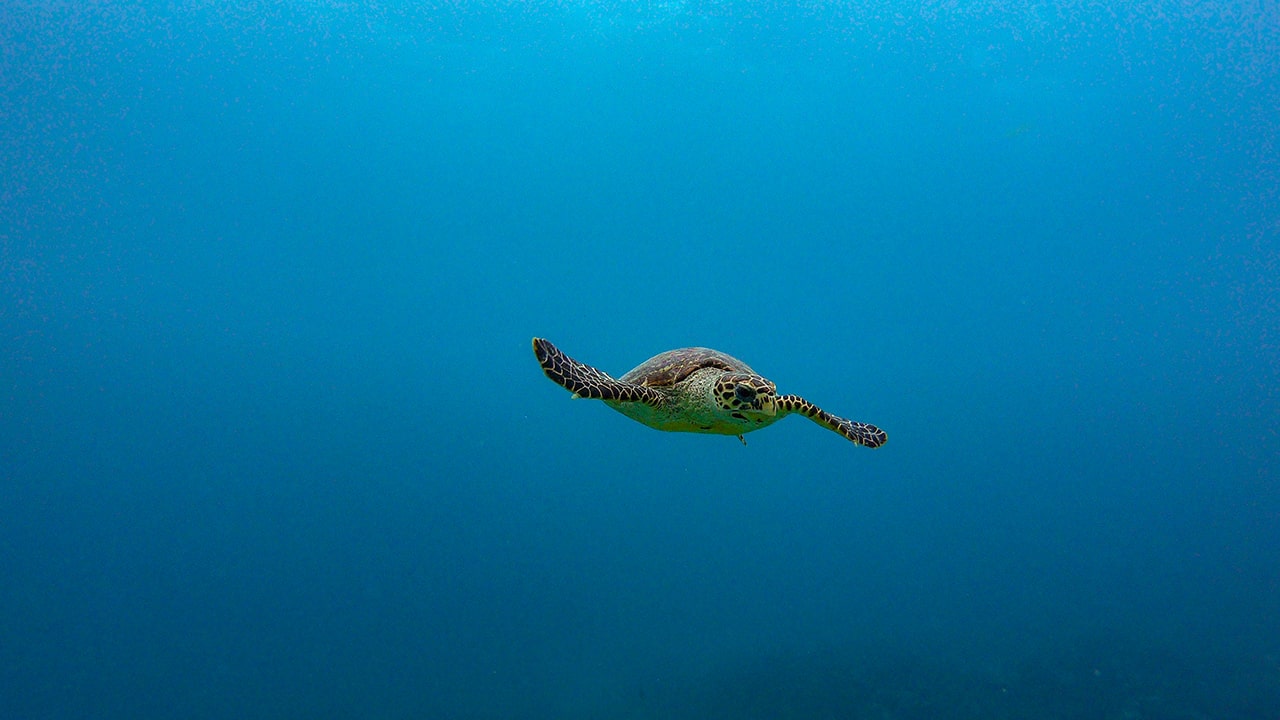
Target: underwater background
x=273 y=442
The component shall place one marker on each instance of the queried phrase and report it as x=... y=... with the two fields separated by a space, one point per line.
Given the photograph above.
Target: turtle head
x=746 y=394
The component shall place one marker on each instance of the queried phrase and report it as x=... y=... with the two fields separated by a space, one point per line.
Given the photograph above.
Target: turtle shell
x=672 y=366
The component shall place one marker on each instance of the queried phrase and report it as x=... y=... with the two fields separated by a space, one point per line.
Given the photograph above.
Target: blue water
x=273 y=443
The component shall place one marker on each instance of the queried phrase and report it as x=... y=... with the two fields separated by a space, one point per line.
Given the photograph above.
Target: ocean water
x=273 y=442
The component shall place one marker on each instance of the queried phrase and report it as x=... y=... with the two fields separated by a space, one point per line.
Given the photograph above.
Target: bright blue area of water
x=273 y=442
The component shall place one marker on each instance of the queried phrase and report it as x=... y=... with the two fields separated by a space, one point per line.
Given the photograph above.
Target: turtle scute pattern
x=670 y=368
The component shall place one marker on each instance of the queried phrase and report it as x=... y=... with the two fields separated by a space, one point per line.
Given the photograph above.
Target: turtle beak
x=768 y=406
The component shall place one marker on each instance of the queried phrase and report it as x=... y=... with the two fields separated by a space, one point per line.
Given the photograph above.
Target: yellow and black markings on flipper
x=587 y=382
x=857 y=432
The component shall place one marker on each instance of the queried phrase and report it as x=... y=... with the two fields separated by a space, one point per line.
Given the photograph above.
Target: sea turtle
x=694 y=390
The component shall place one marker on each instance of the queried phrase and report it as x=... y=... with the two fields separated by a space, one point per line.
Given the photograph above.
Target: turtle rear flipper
x=585 y=381
x=857 y=432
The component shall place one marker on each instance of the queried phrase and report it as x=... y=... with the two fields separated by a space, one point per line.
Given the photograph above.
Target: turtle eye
x=745 y=393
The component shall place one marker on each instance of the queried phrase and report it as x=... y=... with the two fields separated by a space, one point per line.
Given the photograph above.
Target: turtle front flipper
x=585 y=381
x=860 y=433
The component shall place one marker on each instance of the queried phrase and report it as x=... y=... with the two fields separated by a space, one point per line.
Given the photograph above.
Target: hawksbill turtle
x=694 y=390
